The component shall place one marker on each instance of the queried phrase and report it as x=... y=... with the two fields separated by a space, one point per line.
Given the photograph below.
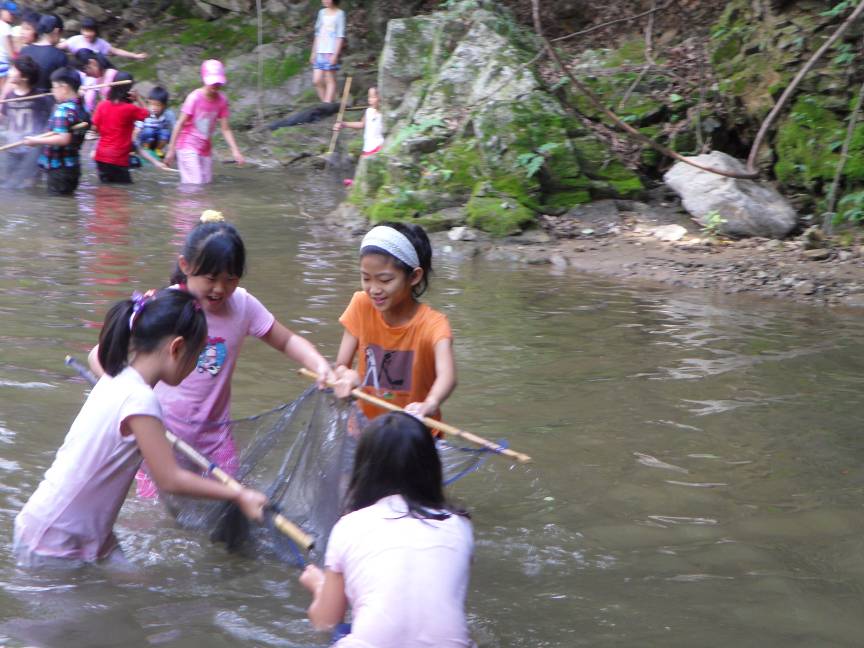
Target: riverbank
x=635 y=241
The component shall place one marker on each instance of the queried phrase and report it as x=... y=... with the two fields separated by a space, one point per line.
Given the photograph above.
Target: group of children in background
x=166 y=359
x=94 y=94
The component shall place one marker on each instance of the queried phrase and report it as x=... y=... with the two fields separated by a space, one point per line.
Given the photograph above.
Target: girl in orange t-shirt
x=405 y=347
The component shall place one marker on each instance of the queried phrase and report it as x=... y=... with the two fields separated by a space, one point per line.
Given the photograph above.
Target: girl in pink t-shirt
x=210 y=266
x=190 y=139
x=401 y=557
x=72 y=512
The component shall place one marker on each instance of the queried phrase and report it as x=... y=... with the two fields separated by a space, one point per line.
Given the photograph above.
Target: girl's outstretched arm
x=300 y=350
x=116 y=51
x=170 y=152
x=228 y=134
x=171 y=478
x=346 y=377
x=445 y=381
x=329 y=602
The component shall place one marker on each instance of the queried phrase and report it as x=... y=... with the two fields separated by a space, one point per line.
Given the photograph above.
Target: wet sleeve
x=260 y=320
x=352 y=318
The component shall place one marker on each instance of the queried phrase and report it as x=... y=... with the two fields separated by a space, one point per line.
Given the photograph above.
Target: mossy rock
x=808 y=143
x=496 y=213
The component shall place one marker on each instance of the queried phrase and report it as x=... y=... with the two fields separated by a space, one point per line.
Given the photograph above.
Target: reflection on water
x=697 y=476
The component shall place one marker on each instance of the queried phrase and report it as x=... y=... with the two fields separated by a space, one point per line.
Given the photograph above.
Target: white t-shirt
x=373 y=130
x=405 y=578
x=328 y=28
x=78 y=42
x=72 y=512
x=5 y=35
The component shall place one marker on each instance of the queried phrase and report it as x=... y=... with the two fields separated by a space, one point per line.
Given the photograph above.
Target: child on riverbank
x=89 y=39
x=115 y=119
x=154 y=132
x=405 y=347
x=326 y=48
x=60 y=158
x=400 y=547
x=373 y=129
x=210 y=266
x=190 y=141
x=23 y=118
x=72 y=512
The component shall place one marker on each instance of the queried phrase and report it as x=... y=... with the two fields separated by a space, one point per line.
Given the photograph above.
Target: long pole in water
x=430 y=422
x=286 y=526
x=6 y=147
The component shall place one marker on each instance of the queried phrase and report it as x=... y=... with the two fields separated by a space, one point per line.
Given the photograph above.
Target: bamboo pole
x=6 y=147
x=286 y=526
x=432 y=423
x=81 y=89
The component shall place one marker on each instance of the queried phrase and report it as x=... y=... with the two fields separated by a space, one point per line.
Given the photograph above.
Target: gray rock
x=818 y=254
x=237 y=6
x=748 y=207
x=462 y=233
x=805 y=288
x=88 y=9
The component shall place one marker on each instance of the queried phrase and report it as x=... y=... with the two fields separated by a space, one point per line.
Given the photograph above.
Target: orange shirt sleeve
x=352 y=318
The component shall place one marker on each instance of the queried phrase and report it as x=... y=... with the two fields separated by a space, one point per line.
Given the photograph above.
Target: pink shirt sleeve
x=260 y=319
x=188 y=106
x=224 y=111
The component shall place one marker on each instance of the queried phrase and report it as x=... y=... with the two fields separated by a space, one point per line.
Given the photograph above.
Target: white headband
x=393 y=242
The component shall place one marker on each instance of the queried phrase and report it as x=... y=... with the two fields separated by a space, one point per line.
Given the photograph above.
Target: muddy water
x=698 y=461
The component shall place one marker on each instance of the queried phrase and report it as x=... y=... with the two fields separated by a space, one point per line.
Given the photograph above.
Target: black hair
x=169 y=313
x=28 y=68
x=120 y=92
x=67 y=75
x=210 y=249
x=396 y=455
x=90 y=25
x=160 y=94
x=48 y=23
x=83 y=56
x=418 y=238
x=31 y=18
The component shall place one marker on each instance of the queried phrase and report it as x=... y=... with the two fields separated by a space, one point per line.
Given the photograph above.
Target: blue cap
x=11 y=7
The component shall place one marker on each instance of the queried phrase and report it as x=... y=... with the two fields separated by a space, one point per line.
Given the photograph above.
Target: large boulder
x=468 y=123
x=746 y=207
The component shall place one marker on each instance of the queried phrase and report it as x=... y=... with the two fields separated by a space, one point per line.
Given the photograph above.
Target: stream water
x=697 y=475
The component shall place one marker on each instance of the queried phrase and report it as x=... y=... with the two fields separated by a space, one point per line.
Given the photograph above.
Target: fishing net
x=300 y=455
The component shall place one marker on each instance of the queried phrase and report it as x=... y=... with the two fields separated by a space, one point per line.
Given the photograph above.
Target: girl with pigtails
x=147 y=339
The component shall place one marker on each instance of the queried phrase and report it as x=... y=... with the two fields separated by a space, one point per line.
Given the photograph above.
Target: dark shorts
x=63 y=181
x=114 y=173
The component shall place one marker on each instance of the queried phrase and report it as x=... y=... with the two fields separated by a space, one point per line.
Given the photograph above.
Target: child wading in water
x=190 y=141
x=401 y=556
x=23 y=118
x=146 y=339
x=60 y=157
x=210 y=266
x=373 y=129
x=405 y=347
x=326 y=48
x=115 y=120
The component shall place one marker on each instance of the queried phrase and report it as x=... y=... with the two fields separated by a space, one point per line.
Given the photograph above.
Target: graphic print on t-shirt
x=213 y=356
x=389 y=370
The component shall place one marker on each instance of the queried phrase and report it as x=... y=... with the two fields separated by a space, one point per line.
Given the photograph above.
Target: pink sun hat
x=212 y=71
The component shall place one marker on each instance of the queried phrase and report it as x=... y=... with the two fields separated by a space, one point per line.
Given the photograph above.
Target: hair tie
x=139 y=300
x=212 y=216
x=393 y=242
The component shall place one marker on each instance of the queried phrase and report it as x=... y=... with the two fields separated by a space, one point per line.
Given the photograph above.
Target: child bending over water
x=401 y=556
x=144 y=340
x=198 y=409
